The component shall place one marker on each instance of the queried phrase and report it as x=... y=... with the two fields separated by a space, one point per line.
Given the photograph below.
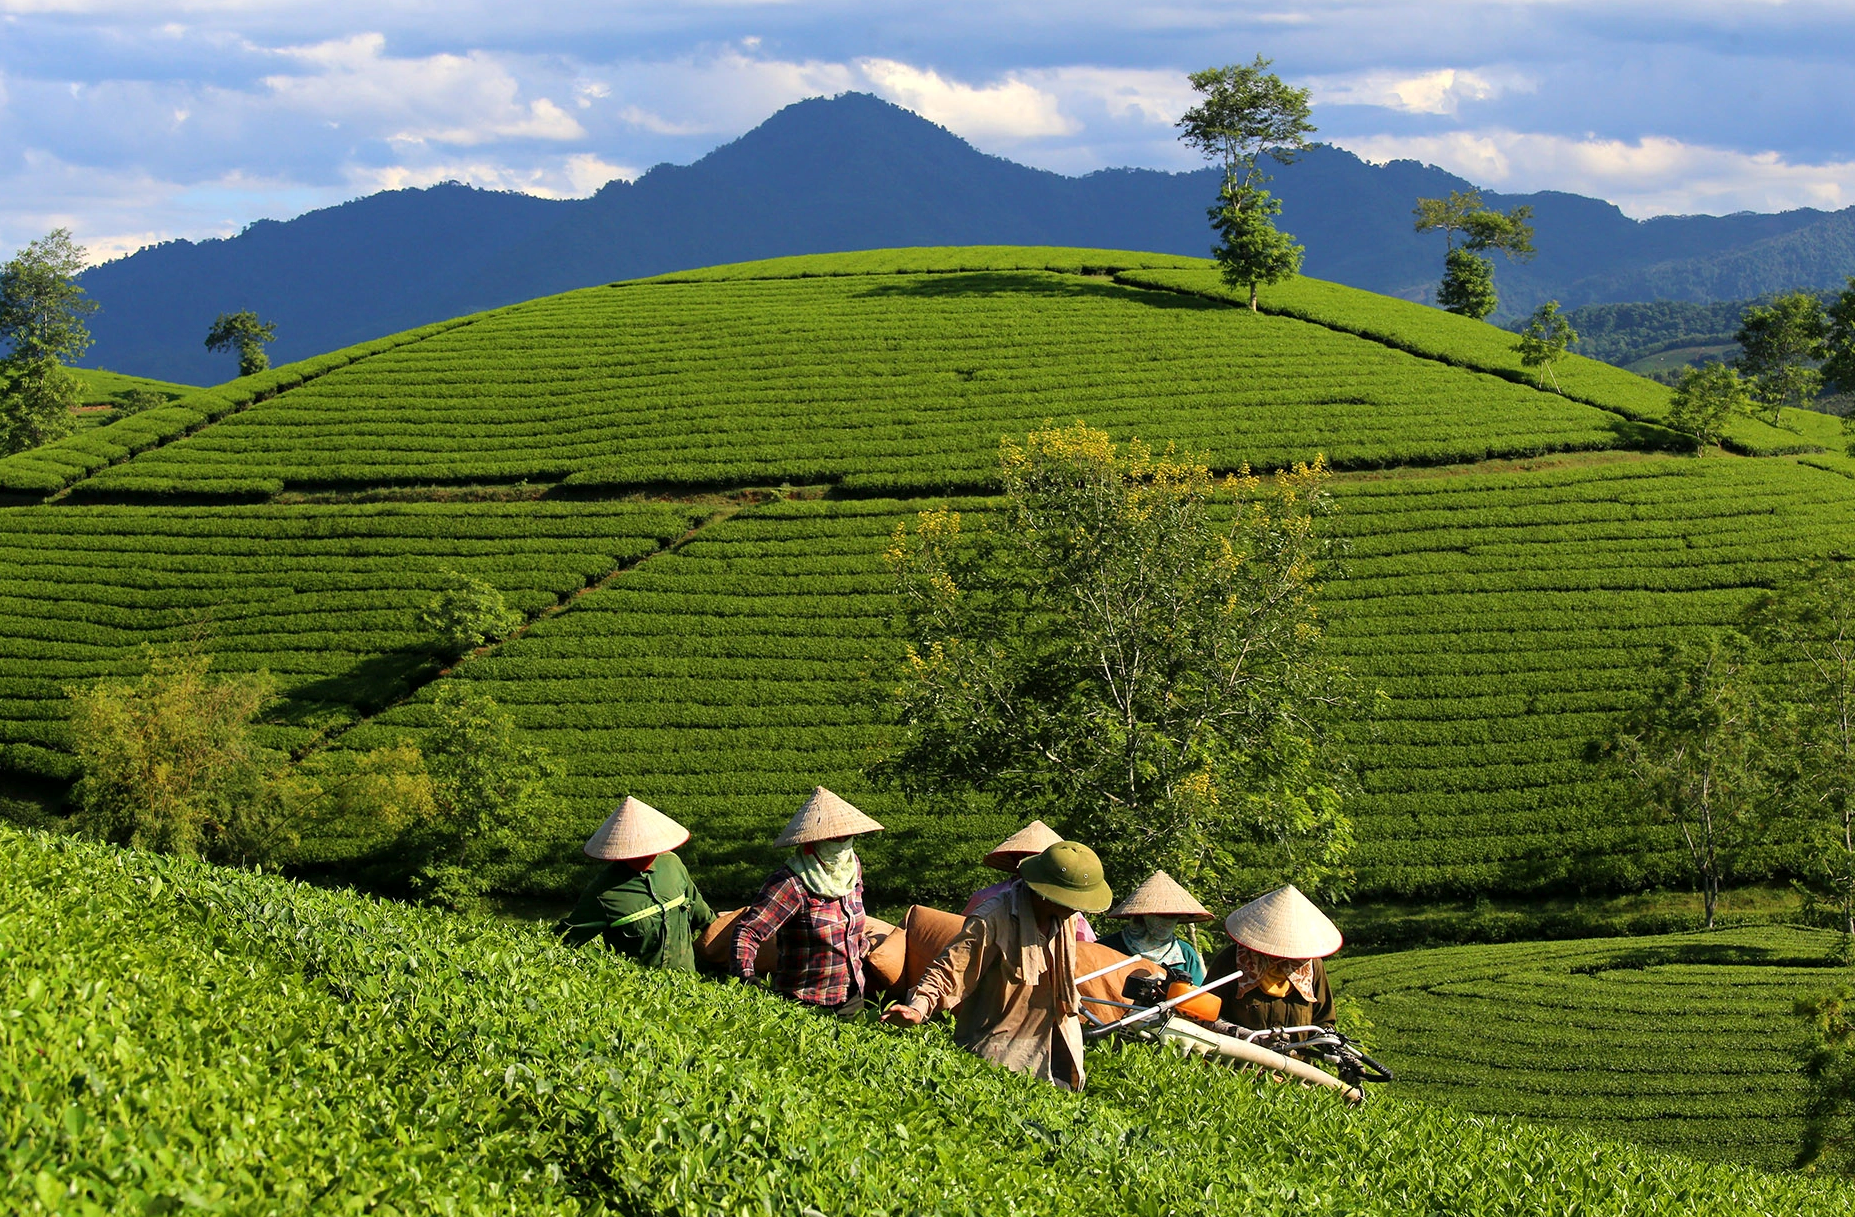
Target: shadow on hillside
x=1034 y=283
x=366 y=688
x=1647 y=437
x=1717 y=954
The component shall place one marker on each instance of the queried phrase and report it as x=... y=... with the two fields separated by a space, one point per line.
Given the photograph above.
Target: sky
x=136 y=121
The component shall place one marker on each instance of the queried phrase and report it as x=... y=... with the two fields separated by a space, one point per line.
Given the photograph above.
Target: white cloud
x=1156 y=96
x=1439 y=91
x=1011 y=109
x=462 y=100
x=1646 y=177
x=570 y=177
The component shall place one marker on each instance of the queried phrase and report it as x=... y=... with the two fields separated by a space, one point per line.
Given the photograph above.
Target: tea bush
x=1686 y=1041
x=175 y=1038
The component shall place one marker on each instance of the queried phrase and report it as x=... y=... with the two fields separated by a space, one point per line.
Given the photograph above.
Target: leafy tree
x=488 y=792
x=1688 y=750
x=1838 y=349
x=1247 y=113
x=1468 y=285
x=42 y=311
x=1133 y=652
x=1704 y=399
x=1251 y=250
x=37 y=403
x=242 y=330
x=1544 y=341
x=1468 y=276
x=468 y=614
x=1829 y=1064
x=1780 y=344
x=170 y=763
x=1808 y=629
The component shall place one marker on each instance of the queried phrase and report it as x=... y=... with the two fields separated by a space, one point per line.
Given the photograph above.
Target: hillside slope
x=1509 y=615
x=1686 y=1041
x=180 y=1037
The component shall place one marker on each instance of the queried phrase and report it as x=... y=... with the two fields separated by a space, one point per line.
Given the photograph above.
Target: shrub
x=170 y=764
x=468 y=614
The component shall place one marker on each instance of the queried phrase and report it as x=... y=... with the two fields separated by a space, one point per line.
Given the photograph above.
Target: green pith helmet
x=1068 y=873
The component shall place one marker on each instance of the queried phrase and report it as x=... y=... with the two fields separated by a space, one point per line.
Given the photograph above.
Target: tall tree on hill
x=245 y=333
x=1248 y=113
x=1808 y=630
x=1689 y=753
x=42 y=311
x=1781 y=344
x=1468 y=276
x=1704 y=399
x=1839 y=355
x=1132 y=651
x=1544 y=342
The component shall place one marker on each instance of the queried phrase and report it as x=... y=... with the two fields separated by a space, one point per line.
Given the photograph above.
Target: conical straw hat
x=1033 y=838
x=825 y=816
x=1162 y=896
x=1285 y=924
x=635 y=830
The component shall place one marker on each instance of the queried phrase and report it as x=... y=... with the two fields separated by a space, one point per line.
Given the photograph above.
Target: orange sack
x=884 y=962
x=928 y=931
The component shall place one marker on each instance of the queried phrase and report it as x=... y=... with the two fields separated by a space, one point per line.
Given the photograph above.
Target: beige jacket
x=1015 y=989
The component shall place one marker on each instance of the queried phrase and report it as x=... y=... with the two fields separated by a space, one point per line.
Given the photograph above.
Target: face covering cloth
x=829 y=871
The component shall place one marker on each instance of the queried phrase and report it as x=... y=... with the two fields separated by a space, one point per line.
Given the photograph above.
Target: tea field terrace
x=178 y=1036
x=1506 y=615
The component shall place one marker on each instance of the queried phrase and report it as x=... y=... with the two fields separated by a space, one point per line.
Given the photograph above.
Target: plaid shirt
x=821 y=943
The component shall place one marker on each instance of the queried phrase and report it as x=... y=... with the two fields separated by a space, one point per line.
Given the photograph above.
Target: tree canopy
x=245 y=333
x=1471 y=229
x=1132 y=651
x=1704 y=399
x=1248 y=113
x=42 y=311
x=1781 y=343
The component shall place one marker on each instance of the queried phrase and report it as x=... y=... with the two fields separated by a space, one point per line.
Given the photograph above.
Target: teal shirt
x=1192 y=965
x=654 y=916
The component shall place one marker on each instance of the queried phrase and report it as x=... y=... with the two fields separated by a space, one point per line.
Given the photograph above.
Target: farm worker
x=812 y=909
x=1153 y=915
x=1027 y=842
x=1277 y=941
x=1012 y=969
x=644 y=904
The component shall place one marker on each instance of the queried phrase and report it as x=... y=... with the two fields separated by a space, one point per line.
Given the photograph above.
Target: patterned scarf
x=829 y=870
x=1254 y=963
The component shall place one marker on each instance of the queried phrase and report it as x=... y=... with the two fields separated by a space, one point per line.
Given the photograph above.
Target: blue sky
x=132 y=121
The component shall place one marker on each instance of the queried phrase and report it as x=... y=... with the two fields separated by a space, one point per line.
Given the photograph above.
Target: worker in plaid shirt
x=812 y=909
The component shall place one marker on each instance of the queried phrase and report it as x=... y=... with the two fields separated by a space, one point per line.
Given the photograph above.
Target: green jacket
x=653 y=916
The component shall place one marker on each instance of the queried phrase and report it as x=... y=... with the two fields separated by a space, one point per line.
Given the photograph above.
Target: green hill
x=1685 y=1041
x=1506 y=613
x=686 y=484
x=102 y=388
x=182 y=1038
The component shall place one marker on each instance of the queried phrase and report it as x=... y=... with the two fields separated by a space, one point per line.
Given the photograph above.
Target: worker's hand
x=903 y=1016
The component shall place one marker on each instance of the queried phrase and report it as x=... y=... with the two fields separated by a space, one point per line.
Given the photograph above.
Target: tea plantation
x=685 y=485
x=174 y=1038
x=1680 y=1040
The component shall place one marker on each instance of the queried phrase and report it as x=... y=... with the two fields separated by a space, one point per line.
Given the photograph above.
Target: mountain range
x=855 y=172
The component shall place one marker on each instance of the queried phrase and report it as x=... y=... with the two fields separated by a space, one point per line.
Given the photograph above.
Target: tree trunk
x=1253 y=307
x=1710 y=895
